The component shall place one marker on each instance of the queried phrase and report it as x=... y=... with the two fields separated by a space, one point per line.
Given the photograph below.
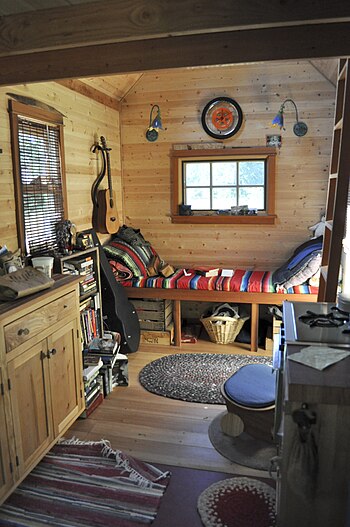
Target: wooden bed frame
x=254 y=299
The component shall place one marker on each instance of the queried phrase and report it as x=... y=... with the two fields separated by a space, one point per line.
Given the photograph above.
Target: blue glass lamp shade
x=157 y=122
x=279 y=119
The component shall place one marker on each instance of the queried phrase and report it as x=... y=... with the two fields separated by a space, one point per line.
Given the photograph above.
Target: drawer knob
x=23 y=331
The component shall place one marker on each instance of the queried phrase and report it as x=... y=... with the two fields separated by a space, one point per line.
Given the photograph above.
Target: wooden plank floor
x=159 y=429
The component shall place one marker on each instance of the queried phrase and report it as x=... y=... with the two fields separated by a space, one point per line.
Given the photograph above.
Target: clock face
x=222 y=118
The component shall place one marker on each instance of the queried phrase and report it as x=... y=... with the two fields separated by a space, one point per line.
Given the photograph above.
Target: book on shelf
x=92 y=393
x=207 y=271
x=104 y=345
x=109 y=360
x=80 y=262
x=93 y=405
x=91 y=384
x=88 y=278
x=90 y=324
x=106 y=376
x=120 y=373
x=92 y=369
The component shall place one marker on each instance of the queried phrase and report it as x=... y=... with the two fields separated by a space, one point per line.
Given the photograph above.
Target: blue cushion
x=253 y=385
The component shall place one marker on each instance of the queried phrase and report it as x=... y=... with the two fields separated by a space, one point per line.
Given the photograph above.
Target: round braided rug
x=193 y=377
x=238 y=502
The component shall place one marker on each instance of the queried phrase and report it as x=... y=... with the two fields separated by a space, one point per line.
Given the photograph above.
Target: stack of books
x=93 y=388
x=114 y=369
x=85 y=267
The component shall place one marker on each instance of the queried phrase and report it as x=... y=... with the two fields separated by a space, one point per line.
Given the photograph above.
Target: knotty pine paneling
x=85 y=121
x=302 y=163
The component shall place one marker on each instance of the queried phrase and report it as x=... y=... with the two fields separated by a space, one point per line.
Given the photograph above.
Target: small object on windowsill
x=185 y=210
x=243 y=210
x=223 y=212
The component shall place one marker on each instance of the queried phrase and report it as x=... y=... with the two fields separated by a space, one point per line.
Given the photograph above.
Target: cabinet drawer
x=33 y=323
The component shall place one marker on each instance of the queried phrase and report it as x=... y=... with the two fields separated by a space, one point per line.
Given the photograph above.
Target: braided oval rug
x=238 y=502
x=194 y=377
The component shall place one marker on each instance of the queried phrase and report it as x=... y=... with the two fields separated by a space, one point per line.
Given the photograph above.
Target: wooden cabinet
x=6 y=475
x=42 y=376
x=314 y=488
x=29 y=391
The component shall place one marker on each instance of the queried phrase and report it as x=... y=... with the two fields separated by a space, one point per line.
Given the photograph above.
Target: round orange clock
x=222 y=117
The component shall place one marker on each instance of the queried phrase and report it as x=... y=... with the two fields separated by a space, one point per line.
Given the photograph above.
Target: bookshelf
x=86 y=264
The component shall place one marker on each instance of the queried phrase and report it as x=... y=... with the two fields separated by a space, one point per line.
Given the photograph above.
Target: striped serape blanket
x=137 y=258
x=242 y=281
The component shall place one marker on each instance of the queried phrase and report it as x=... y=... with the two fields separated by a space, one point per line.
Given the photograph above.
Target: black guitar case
x=118 y=312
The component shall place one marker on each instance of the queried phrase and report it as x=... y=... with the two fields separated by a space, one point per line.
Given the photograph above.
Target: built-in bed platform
x=245 y=287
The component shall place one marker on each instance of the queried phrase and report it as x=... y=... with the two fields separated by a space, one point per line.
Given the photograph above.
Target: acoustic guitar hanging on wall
x=105 y=215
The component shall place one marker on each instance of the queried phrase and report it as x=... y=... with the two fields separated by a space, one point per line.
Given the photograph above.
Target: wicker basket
x=223 y=330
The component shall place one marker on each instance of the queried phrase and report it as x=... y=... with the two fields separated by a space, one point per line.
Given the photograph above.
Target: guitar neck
x=109 y=175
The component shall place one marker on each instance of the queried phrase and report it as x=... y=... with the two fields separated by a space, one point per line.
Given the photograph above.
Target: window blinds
x=41 y=183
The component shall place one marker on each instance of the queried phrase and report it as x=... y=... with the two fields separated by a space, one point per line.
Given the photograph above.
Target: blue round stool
x=250 y=401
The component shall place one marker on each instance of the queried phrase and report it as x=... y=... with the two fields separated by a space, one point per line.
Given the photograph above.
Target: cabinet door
x=6 y=475
x=30 y=402
x=65 y=376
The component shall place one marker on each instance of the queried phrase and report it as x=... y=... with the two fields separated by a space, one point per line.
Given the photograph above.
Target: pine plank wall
x=302 y=163
x=141 y=170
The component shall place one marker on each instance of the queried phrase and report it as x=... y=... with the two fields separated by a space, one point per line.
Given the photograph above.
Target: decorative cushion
x=307 y=272
x=253 y=386
x=303 y=264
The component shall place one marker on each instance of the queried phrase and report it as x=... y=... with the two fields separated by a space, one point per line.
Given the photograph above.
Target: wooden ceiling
x=116 y=86
x=64 y=39
x=12 y=7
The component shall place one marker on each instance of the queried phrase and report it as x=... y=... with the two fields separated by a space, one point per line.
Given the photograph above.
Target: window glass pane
x=251 y=172
x=198 y=198
x=197 y=174
x=224 y=198
x=224 y=173
x=252 y=196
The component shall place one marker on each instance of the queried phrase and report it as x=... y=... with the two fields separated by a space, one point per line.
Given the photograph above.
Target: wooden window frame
x=267 y=217
x=17 y=109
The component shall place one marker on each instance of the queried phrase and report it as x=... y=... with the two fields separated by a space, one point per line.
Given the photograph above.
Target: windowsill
x=260 y=219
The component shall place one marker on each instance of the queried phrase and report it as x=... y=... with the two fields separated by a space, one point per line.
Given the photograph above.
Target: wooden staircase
x=338 y=190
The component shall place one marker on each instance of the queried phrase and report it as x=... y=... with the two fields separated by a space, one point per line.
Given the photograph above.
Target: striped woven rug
x=80 y=484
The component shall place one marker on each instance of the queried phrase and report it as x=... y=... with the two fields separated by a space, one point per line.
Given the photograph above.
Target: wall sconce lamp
x=155 y=124
x=299 y=128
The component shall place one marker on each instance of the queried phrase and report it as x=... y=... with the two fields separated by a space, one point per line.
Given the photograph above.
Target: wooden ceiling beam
x=114 y=21
x=287 y=43
x=94 y=94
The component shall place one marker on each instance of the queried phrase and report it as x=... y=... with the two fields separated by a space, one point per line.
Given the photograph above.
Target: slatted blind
x=40 y=177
